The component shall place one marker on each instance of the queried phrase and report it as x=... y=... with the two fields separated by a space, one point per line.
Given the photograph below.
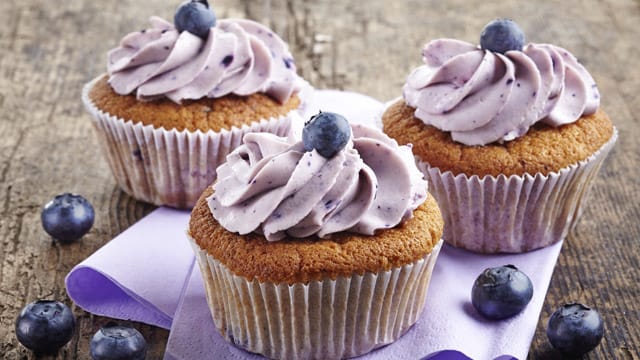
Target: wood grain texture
x=50 y=49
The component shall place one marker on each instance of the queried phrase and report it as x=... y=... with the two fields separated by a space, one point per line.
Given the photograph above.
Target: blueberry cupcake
x=178 y=98
x=510 y=137
x=316 y=249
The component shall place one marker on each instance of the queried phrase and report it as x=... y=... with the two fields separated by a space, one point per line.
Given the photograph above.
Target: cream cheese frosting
x=238 y=56
x=482 y=97
x=270 y=185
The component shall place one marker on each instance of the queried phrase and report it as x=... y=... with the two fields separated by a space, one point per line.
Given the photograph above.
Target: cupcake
x=509 y=136
x=178 y=98
x=316 y=249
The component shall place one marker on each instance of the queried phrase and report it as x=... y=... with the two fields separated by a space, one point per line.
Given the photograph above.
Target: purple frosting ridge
x=238 y=56
x=483 y=97
x=271 y=186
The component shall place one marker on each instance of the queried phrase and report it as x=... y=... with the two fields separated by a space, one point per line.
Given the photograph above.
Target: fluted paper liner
x=169 y=167
x=516 y=213
x=328 y=319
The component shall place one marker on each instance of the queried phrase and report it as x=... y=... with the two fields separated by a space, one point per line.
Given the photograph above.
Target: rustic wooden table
x=50 y=49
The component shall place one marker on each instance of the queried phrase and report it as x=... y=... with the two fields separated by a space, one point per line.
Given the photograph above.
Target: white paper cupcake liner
x=516 y=213
x=169 y=167
x=328 y=319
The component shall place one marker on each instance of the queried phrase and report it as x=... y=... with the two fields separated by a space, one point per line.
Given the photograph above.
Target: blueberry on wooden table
x=501 y=292
x=116 y=342
x=67 y=217
x=196 y=17
x=327 y=133
x=502 y=35
x=575 y=329
x=44 y=326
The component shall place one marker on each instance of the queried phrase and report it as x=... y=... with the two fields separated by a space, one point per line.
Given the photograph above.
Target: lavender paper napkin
x=147 y=274
x=140 y=274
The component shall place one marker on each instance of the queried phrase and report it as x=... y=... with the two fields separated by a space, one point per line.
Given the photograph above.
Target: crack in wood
x=12 y=154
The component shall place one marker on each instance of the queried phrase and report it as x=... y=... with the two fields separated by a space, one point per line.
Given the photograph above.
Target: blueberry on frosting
x=196 y=17
x=502 y=35
x=327 y=133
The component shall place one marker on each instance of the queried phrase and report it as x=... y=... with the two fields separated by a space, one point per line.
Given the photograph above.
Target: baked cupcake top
x=321 y=198
x=302 y=260
x=543 y=150
x=229 y=56
x=359 y=180
x=497 y=91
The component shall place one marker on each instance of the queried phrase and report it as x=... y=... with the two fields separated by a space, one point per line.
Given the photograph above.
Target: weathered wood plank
x=47 y=147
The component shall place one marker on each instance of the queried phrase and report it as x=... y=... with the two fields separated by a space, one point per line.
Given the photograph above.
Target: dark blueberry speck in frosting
x=227 y=60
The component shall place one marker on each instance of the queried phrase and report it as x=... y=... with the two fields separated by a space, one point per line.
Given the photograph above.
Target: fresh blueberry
x=115 y=342
x=502 y=35
x=196 y=17
x=326 y=132
x=501 y=292
x=575 y=329
x=44 y=326
x=67 y=217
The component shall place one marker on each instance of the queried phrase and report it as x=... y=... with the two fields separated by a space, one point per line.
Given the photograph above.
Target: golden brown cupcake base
x=203 y=114
x=543 y=149
x=303 y=260
x=167 y=154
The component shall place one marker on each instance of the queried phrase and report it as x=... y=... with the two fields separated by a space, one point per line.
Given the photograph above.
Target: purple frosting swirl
x=483 y=97
x=271 y=186
x=239 y=57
